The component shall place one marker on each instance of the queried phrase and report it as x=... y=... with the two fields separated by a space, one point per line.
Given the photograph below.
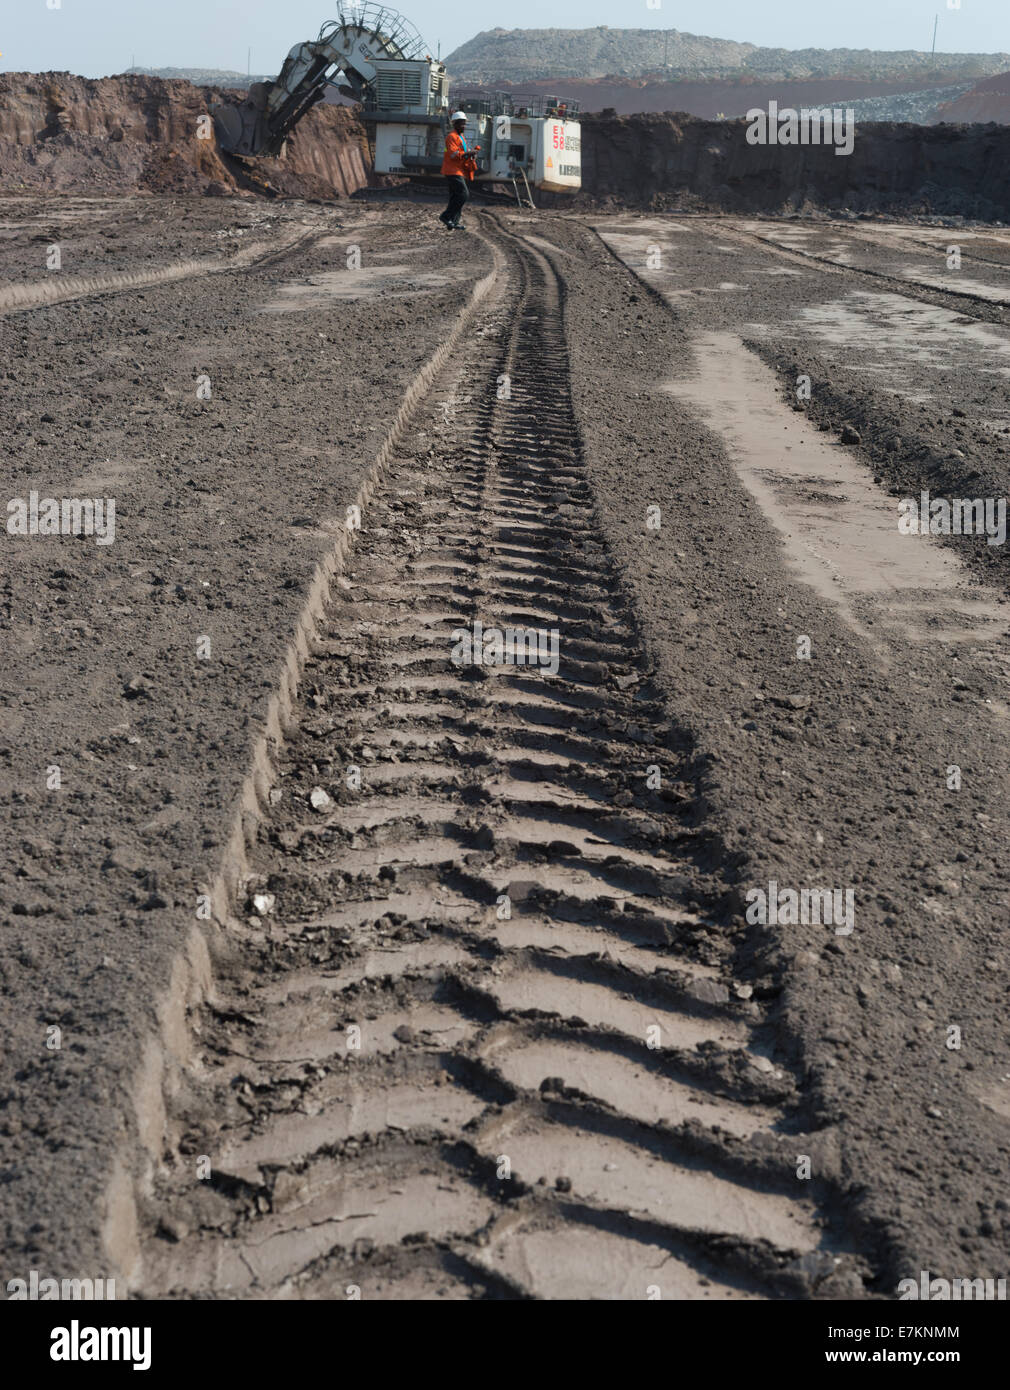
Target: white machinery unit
x=372 y=53
x=518 y=139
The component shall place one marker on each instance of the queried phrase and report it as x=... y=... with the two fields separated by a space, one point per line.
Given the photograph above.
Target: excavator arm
x=347 y=47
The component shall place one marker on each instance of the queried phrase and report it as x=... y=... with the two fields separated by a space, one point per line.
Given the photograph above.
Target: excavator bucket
x=241 y=126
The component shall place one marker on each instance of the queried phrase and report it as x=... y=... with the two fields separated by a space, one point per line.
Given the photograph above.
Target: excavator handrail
x=400 y=36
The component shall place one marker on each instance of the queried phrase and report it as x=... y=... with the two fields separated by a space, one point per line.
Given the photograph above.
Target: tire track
x=60 y=289
x=891 y=240
x=477 y=1034
x=982 y=310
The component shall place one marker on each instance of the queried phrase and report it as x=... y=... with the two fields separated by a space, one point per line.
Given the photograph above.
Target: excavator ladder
x=520 y=200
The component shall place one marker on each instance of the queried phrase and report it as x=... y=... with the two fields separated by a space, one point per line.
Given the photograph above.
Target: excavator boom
x=354 y=46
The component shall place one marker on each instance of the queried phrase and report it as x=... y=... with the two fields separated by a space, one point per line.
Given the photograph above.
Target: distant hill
x=518 y=55
x=205 y=77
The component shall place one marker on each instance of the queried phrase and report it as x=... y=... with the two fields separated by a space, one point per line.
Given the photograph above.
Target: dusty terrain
x=226 y=506
x=374 y=968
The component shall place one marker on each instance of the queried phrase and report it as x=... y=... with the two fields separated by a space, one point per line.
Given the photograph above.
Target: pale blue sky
x=97 y=37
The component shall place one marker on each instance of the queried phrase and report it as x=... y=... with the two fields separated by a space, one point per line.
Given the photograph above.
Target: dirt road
x=382 y=961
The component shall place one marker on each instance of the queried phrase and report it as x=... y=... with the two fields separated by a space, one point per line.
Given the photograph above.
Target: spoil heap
x=134 y=133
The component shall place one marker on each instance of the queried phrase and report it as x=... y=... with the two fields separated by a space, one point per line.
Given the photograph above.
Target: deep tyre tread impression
x=507 y=1128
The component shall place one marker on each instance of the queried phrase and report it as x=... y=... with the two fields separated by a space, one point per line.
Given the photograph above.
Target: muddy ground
x=686 y=338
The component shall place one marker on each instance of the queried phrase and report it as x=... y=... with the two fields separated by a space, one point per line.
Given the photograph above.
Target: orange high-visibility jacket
x=457 y=158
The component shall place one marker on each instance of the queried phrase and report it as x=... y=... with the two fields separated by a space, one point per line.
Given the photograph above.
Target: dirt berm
x=668 y=161
x=123 y=134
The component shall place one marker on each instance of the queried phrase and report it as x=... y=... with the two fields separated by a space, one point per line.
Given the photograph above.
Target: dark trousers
x=458 y=194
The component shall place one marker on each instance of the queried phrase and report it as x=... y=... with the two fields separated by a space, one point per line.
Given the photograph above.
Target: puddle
x=840 y=530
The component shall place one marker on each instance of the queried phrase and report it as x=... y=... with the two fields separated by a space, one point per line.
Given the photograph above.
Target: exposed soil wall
x=676 y=161
x=73 y=134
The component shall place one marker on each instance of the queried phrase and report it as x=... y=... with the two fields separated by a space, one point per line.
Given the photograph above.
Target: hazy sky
x=97 y=37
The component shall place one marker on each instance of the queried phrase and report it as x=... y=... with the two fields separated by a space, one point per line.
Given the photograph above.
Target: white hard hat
x=458 y=116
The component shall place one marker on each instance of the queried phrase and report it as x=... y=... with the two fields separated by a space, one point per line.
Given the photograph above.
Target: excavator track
x=478 y=1034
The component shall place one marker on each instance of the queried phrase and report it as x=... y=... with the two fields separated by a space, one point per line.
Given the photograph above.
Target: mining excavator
x=374 y=56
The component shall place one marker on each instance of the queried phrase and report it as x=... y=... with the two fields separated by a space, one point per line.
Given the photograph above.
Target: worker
x=459 y=164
